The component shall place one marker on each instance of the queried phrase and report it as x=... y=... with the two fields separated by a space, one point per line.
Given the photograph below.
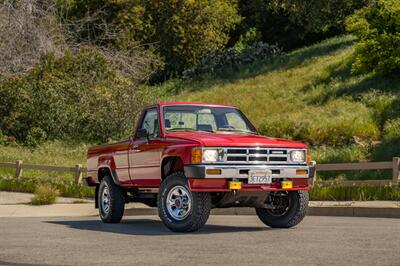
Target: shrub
x=378 y=29
x=35 y=137
x=3 y=139
x=44 y=195
x=392 y=130
x=232 y=59
x=78 y=96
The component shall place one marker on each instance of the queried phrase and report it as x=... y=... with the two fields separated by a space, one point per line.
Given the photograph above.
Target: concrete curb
x=343 y=211
x=347 y=209
x=355 y=212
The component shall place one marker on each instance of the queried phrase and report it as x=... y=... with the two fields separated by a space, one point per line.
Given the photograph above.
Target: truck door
x=145 y=155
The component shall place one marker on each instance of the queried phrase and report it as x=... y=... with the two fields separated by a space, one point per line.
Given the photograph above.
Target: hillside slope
x=311 y=95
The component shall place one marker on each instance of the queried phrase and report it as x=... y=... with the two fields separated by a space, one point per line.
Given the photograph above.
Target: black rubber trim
x=114 y=176
x=311 y=171
x=87 y=183
x=195 y=171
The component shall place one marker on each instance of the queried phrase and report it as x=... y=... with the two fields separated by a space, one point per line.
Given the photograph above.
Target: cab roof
x=194 y=103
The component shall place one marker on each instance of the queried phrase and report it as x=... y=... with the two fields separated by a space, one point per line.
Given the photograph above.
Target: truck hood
x=236 y=140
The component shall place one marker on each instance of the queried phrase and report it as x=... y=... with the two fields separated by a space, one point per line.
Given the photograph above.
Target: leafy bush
x=77 y=96
x=44 y=195
x=232 y=59
x=3 y=139
x=392 y=130
x=378 y=29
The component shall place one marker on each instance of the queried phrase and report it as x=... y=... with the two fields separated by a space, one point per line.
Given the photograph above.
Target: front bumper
x=201 y=181
x=241 y=171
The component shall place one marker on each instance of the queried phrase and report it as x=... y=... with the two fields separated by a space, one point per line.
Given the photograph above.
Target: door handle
x=135 y=148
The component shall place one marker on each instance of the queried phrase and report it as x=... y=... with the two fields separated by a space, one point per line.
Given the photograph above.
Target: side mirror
x=142 y=133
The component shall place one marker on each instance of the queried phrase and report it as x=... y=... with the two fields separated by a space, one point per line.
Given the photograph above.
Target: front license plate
x=260 y=177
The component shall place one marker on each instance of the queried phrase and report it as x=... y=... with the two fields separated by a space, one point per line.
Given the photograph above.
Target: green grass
x=66 y=187
x=281 y=101
x=337 y=193
x=52 y=153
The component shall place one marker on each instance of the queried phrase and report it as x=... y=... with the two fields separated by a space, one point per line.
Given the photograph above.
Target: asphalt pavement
x=225 y=240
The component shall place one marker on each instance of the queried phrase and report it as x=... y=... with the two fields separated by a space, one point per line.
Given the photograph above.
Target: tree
x=295 y=23
x=378 y=29
x=184 y=30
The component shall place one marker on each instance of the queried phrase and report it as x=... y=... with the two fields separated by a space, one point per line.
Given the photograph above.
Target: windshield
x=205 y=118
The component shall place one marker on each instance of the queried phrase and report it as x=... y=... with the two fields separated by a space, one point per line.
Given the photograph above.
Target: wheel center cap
x=178 y=202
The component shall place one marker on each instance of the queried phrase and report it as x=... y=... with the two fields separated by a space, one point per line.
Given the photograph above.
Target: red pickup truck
x=187 y=158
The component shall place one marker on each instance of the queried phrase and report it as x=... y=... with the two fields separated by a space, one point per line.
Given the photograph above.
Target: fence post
x=18 y=169
x=315 y=175
x=396 y=169
x=78 y=173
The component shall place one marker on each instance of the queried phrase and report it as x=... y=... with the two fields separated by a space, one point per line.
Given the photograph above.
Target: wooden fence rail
x=394 y=165
x=78 y=171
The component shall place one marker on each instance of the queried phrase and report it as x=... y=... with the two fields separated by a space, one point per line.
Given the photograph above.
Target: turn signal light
x=301 y=172
x=213 y=171
x=196 y=155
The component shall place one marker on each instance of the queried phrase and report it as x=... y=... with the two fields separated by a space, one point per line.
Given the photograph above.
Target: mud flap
x=96 y=198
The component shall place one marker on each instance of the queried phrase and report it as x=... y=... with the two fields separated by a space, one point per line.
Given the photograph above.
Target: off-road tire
x=198 y=214
x=293 y=216
x=116 y=201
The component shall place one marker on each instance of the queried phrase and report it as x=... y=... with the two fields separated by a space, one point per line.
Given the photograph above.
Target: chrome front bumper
x=241 y=171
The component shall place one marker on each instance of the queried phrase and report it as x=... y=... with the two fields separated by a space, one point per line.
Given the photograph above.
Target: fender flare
x=113 y=173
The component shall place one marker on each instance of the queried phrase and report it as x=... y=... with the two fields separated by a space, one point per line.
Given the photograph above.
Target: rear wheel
x=286 y=209
x=180 y=209
x=111 y=200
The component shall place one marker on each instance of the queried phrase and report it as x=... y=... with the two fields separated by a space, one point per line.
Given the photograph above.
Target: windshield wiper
x=237 y=130
x=189 y=129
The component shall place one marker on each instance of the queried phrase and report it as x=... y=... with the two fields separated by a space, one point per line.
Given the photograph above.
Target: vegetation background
x=76 y=73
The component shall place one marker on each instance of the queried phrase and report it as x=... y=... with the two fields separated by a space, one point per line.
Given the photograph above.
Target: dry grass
x=44 y=195
x=51 y=153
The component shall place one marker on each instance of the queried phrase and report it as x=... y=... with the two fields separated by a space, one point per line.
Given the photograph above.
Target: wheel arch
x=105 y=170
x=170 y=165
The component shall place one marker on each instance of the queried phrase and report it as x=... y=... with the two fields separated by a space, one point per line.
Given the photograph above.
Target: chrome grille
x=256 y=155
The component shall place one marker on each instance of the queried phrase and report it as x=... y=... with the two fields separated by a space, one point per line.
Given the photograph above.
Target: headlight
x=298 y=156
x=213 y=155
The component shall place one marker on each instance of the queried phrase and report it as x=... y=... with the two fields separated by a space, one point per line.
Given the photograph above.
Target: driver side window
x=150 y=122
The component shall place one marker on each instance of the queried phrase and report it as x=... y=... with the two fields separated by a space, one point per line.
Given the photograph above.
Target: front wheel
x=286 y=209
x=180 y=209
